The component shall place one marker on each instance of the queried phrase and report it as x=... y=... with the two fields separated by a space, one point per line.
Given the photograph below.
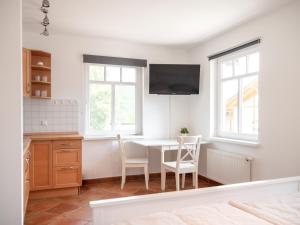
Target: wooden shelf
x=40 y=53
x=46 y=68
x=40 y=82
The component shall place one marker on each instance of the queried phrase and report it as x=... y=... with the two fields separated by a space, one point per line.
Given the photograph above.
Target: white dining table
x=162 y=145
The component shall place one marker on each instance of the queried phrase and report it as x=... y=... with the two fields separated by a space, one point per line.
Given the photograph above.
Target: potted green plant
x=184 y=131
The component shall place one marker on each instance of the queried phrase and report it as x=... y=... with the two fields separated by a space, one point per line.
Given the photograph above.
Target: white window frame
x=216 y=69
x=139 y=91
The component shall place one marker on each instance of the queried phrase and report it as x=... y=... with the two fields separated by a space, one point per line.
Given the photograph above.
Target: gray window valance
x=114 y=60
x=237 y=48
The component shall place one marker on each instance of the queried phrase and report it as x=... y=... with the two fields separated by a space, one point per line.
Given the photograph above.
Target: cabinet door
x=26 y=189
x=67 y=157
x=67 y=176
x=26 y=195
x=26 y=72
x=41 y=165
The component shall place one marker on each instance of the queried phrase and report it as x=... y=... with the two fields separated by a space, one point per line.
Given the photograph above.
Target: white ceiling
x=163 y=22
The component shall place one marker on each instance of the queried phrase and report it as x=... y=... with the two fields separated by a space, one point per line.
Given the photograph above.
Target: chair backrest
x=189 y=149
x=121 y=147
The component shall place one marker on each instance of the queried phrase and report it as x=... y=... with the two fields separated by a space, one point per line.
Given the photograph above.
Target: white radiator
x=228 y=168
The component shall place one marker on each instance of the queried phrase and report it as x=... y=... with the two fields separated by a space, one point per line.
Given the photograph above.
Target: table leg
x=148 y=157
x=147 y=153
x=162 y=170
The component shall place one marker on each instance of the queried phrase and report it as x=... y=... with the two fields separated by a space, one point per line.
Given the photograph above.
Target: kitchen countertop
x=48 y=136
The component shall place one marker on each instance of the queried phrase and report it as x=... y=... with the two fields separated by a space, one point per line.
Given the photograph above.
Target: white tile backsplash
x=61 y=115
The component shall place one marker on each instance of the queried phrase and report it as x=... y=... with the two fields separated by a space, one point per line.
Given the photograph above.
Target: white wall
x=101 y=158
x=10 y=113
x=279 y=151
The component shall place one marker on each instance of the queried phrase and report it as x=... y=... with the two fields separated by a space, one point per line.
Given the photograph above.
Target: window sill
x=234 y=141
x=112 y=137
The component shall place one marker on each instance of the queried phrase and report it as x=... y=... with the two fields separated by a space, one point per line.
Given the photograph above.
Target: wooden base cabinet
x=26 y=194
x=26 y=177
x=67 y=164
x=41 y=165
x=55 y=164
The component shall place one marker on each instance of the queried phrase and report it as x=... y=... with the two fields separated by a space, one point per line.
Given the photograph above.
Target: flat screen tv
x=174 y=79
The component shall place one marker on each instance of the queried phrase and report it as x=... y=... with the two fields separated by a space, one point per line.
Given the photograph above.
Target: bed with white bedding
x=214 y=214
x=263 y=203
x=279 y=210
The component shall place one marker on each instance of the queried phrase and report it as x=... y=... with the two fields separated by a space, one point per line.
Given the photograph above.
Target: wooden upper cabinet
x=41 y=165
x=36 y=74
x=26 y=72
x=40 y=67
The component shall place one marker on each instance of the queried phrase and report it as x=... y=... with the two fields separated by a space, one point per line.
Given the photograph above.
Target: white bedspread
x=163 y=218
x=280 y=210
x=217 y=214
x=212 y=214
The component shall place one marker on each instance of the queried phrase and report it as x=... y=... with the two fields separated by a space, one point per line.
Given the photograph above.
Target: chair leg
x=163 y=179
x=146 y=170
x=195 y=179
x=177 y=178
x=183 y=180
x=123 y=177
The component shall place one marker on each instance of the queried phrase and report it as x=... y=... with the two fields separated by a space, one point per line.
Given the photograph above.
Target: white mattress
x=212 y=214
x=280 y=210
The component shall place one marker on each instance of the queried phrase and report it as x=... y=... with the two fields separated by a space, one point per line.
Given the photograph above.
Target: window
x=237 y=79
x=114 y=99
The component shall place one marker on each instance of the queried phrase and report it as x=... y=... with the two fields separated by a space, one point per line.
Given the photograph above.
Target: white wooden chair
x=132 y=163
x=187 y=161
